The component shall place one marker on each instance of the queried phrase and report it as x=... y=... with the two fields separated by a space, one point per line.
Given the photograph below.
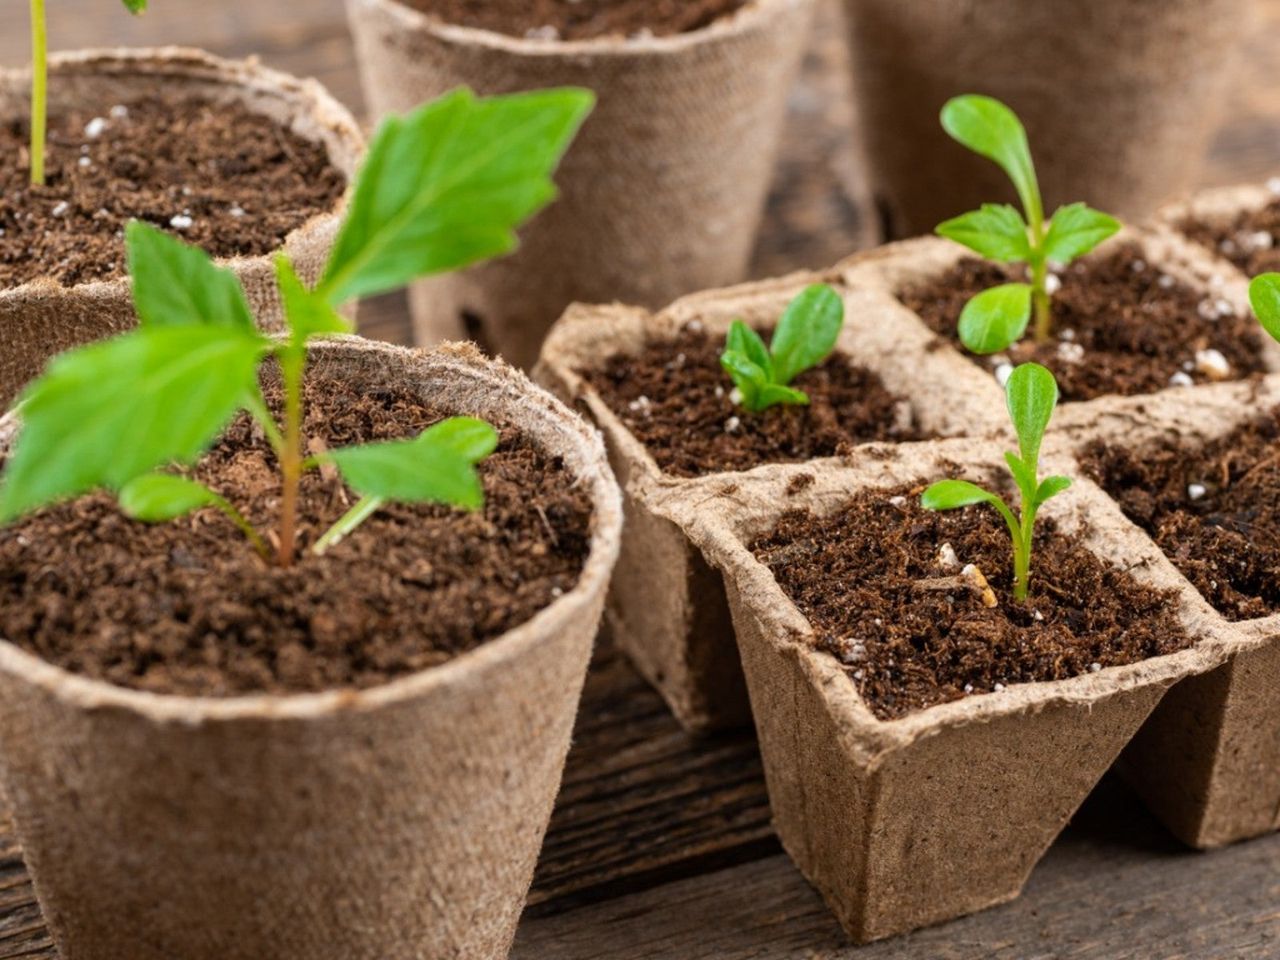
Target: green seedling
x=440 y=188
x=996 y=318
x=1264 y=297
x=40 y=82
x=805 y=336
x=1031 y=394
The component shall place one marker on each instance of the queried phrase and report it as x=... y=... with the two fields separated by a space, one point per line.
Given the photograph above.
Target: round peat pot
x=401 y=821
x=44 y=316
x=1119 y=97
x=662 y=192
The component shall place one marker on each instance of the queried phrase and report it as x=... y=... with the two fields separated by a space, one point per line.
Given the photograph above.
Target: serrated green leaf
x=1264 y=297
x=1031 y=394
x=953 y=494
x=1050 y=487
x=1075 y=230
x=159 y=497
x=746 y=341
x=807 y=333
x=438 y=466
x=989 y=128
x=447 y=185
x=997 y=230
x=107 y=413
x=135 y=6
x=175 y=284
x=307 y=313
x=995 y=318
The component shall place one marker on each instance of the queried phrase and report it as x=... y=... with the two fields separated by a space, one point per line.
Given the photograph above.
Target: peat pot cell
x=676 y=399
x=925 y=735
x=1248 y=235
x=1208 y=761
x=581 y=19
x=1122 y=325
x=235 y=182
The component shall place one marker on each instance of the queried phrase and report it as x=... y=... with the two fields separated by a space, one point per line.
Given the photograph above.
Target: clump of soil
x=1250 y=239
x=188 y=608
x=1121 y=326
x=234 y=182
x=1213 y=508
x=676 y=399
x=886 y=598
x=581 y=19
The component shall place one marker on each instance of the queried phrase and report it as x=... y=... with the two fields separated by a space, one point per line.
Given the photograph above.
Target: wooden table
x=660 y=847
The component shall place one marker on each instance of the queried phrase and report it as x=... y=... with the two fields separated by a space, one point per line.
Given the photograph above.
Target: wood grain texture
x=660 y=846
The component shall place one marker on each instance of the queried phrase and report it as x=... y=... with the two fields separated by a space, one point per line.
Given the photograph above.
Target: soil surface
x=581 y=19
x=1121 y=326
x=675 y=398
x=1250 y=240
x=187 y=607
x=1213 y=508
x=234 y=182
x=912 y=633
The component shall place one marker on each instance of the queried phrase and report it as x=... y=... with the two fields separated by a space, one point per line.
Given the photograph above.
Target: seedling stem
x=39 y=88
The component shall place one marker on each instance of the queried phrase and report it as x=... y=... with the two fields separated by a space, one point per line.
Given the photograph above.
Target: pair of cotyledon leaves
x=998 y=317
x=440 y=188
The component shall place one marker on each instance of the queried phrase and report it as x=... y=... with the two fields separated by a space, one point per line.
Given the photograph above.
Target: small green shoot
x=440 y=188
x=1264 y=297
x=805 y=336
x=40 y=82
x=996 y=318
x=1031 y=394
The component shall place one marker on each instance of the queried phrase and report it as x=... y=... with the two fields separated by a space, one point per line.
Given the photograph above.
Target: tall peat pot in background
x=397 y=821
x=662 y=193
x=235 y=157
x=1119 y=97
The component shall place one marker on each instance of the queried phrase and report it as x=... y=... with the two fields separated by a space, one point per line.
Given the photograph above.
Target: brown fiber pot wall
x=666 y=607
x=945 y=811
x=662 y=192
x=1208 y=761
x=43 y=318
x=1119 y=96
x=397 y=823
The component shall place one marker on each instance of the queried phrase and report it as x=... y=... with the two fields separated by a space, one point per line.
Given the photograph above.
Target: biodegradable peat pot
x=1208 y=760
x=400 y=821
x=1177 y=298
x=43 y=317
x=942 y=811
x=666 y=606
x=1240 y=224
x=662 y=192
x=1119 y=98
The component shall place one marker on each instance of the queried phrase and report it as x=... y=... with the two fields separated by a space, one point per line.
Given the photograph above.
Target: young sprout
x=440 y=188
x=805 y=336
x=1264 y=297
x=40 y=82
x=998 y=317
x=1031 y=394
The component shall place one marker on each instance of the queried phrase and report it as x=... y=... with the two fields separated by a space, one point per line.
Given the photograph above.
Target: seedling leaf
x=1075 y=230
x=448 y=184
x=1050 y=487
x=807 y=332
x=438 y=466
x=1031 y=395
x=136 y=6
x=996 y=231
x=953 y=494
x=307 y=313
x=744 y=340
x=160 y=497
x=109 y=412
x=175 y=284
x=995 y=318
x=1264 y=297
x=989 y=128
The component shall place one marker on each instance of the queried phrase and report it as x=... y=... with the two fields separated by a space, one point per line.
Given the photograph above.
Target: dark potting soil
x=187 y=607
x=1121 y=326
x=581 y=19
x=1213 y=508
x=1250 y=240
x=675 y=398
x=912 y=634
x=234 y=182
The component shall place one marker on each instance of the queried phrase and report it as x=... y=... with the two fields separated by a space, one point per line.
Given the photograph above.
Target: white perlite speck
x=1003 y=373
x=1273 y=184
x=1165 y=282
x=735 y=396
x=119 y=111
x=1196 y=490
x=61 y=209
x=1180 y=379
x=998 y=688
x=1213 y=364
x=83 y=161
x=1095 y=667
x=732 y=425
x=947 y=558
x=1052 y=284
x=95 y=128
x=1071 y=352
x=236 y=210
x=641 y=405
x=1137 y=266
x=181 y=222
x=898 y=501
